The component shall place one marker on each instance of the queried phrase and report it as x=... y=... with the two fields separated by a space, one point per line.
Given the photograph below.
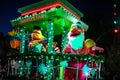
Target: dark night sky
x=9 y=10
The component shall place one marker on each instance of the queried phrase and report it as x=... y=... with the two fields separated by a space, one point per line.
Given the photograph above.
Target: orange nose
x=73 y=29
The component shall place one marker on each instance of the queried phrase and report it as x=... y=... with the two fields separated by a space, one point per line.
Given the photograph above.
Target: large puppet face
x=76 y=36
x=37 y=35
x=76 y=29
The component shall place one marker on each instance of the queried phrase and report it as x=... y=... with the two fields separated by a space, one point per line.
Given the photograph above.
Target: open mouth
x=74 y=34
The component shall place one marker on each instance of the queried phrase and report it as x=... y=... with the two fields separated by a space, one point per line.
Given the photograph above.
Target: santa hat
x=81 y=24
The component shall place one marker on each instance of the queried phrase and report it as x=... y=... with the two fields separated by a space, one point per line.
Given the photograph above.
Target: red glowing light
x=115 y=30
x=115 y=13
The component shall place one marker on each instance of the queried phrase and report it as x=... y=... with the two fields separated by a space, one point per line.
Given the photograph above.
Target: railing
x=27 y=63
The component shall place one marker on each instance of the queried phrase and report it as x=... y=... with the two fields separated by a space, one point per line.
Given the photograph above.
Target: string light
x=22 y=46
x=115 y=30
x=50 y=36
x=116 y=13
x=64 y=38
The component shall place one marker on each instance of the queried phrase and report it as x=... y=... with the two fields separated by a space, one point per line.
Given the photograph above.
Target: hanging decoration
x=42 y=69
x=86 y=70
x=28 y=63
x=89 y=43
x=93 y=71
x=63 y=63
x=15 y=44
x=12 y=33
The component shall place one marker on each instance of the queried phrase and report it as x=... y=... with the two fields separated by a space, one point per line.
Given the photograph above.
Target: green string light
x=22 y=40
x=64 y=38
x=50 y=36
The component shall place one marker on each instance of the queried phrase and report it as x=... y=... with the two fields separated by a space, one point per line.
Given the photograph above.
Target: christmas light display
x=54 y=17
